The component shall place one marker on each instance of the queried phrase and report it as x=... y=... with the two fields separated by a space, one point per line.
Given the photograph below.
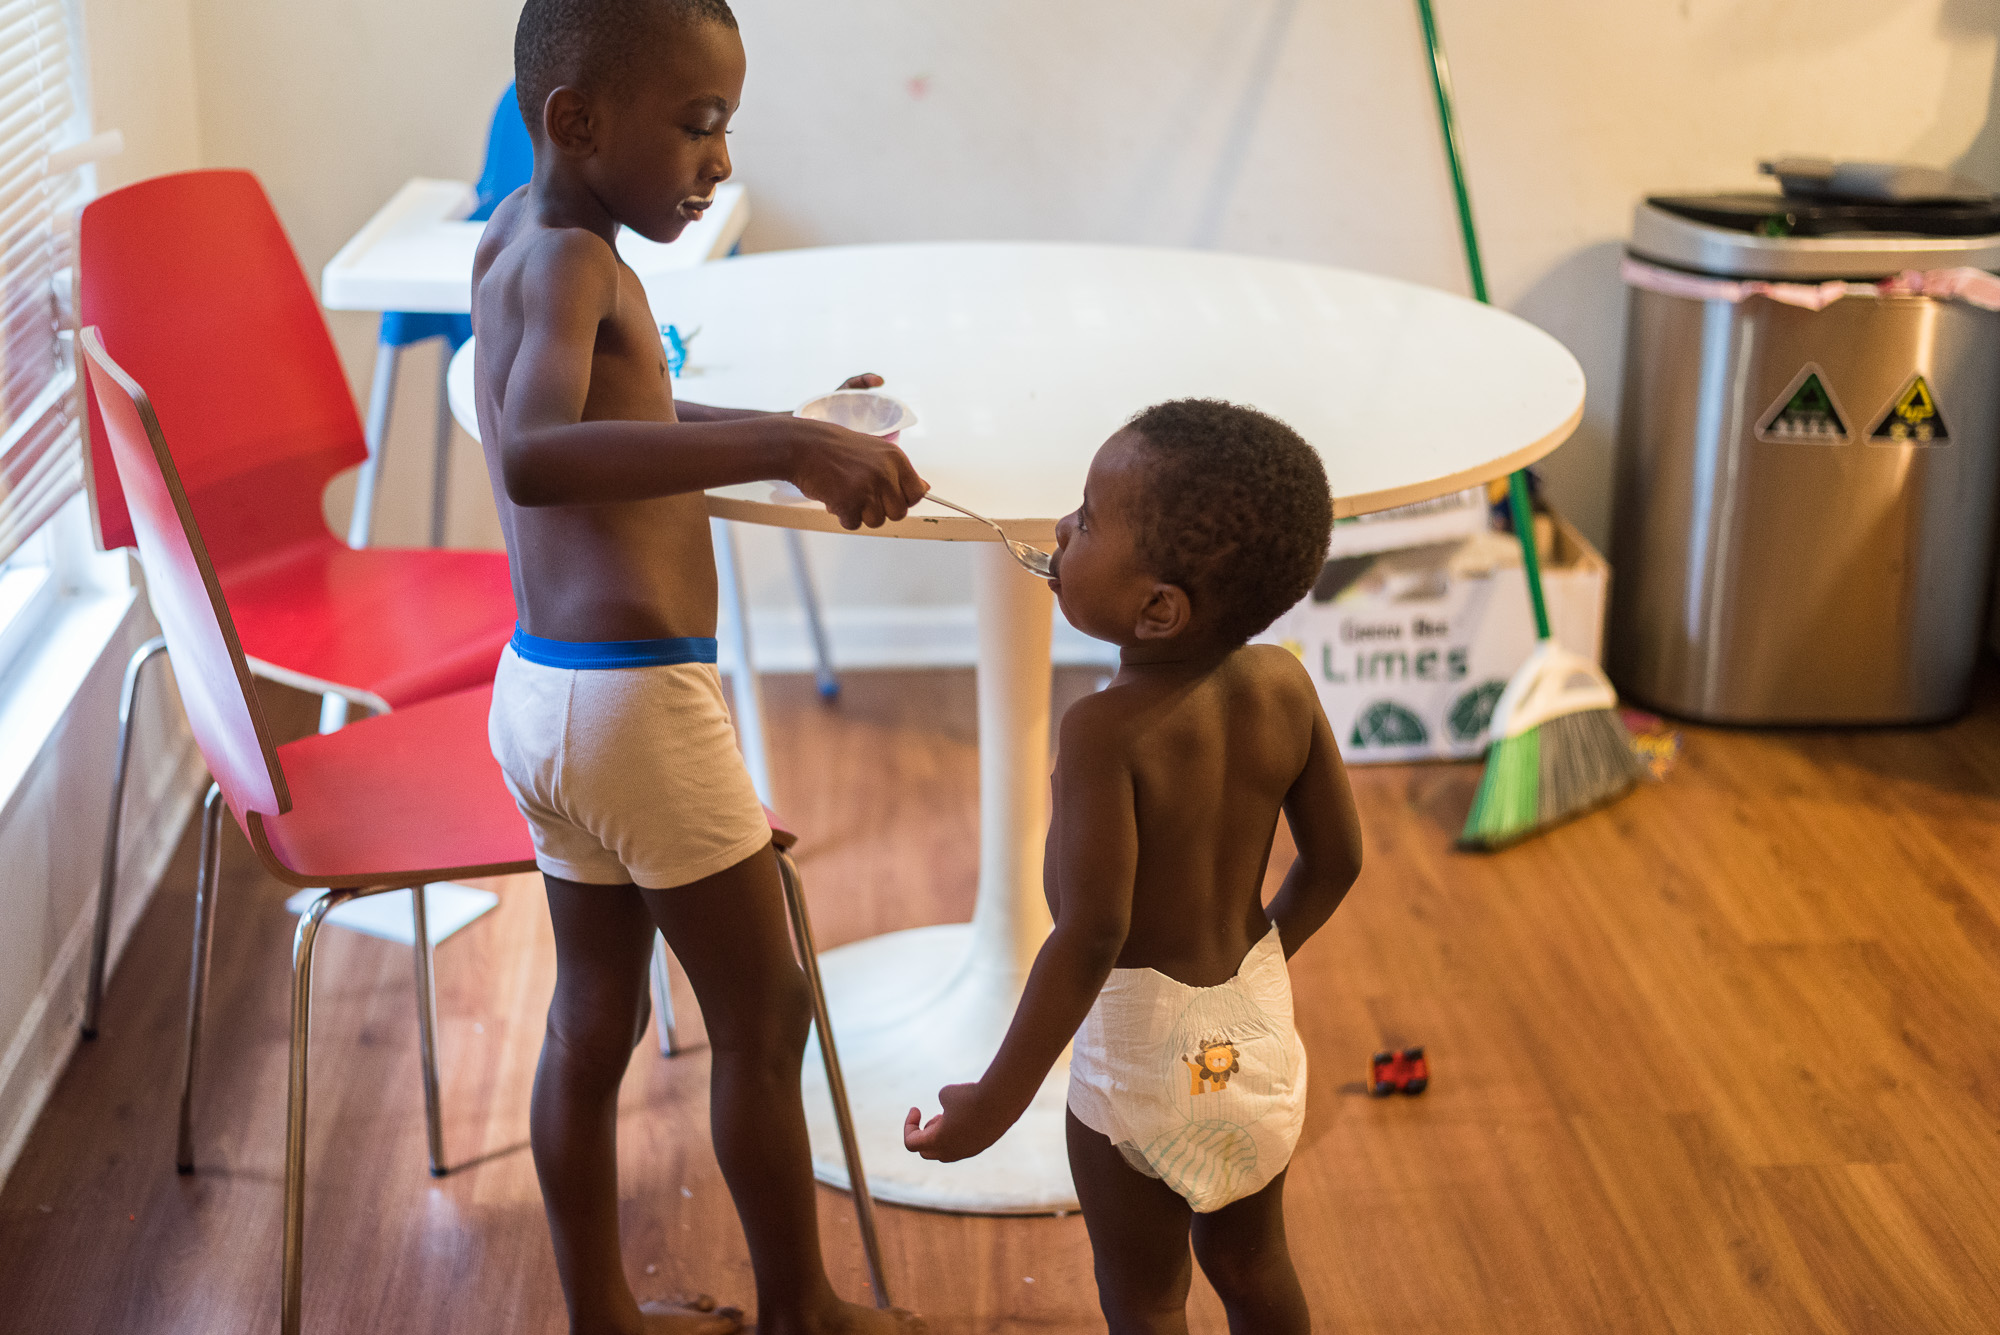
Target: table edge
x=1042 y=531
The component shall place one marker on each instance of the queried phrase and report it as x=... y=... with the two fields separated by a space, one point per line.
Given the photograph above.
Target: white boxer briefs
x=623 y=760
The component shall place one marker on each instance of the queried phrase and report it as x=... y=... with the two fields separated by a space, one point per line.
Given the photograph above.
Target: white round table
x=1020 y=359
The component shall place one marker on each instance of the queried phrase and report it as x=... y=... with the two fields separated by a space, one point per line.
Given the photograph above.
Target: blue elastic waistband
x=611 y=653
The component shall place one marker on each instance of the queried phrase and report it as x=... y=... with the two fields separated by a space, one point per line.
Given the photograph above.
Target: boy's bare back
x=1212 y=757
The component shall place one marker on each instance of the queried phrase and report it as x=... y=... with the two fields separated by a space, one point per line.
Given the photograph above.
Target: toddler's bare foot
x=690 y=1316
x=850 y=1319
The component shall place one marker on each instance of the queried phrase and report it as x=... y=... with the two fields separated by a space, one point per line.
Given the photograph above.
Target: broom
x=1559 y=748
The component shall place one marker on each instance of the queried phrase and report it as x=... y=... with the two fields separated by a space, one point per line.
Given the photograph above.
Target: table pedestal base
x=913 y=1011
x=917 y=1010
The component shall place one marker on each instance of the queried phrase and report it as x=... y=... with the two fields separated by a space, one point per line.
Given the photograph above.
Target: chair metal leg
x=207 y=877
x=662 y=982
x=293 y=1279
x=441 y=460
x=381 y=398
x=802 y=579
x=864 y=1204
x=427 y=1030
x=734 y=616
x=107 y=880
x=361 y=524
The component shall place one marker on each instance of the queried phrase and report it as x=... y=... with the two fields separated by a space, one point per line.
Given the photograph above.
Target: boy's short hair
x=1234 y=508
x=592 y=43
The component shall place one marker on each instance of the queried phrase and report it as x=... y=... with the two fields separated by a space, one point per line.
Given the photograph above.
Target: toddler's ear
x=1166 y=613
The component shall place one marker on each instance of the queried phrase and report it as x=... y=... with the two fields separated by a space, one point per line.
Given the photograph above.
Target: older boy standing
x=608 y=717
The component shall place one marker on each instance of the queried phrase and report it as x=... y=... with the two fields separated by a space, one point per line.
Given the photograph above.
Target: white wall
x=1271 y=126
x=141 y=71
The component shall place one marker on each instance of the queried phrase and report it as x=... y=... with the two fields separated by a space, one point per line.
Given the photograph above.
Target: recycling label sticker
x=1804 y=412
x=1913 y=419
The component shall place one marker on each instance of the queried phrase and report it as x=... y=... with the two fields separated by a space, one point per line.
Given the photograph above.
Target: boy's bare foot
x=689 y=1316
x=850 y=1319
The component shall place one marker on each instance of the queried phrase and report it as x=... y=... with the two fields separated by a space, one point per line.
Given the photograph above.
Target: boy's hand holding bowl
x=845 y=455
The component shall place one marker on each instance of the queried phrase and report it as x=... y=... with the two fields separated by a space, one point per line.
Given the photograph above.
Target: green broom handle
x=1448 y=119
x=1524 y=529
x=1517 y=485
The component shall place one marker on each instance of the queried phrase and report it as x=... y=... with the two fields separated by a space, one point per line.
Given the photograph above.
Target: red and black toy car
x=1404 y=1072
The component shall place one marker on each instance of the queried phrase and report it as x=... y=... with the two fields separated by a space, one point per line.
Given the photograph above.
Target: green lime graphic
x=1386 y=723
x=1471 y=712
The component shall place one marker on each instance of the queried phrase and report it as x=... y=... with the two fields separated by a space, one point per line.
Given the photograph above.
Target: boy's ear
x=1165 y=614
x=567 y=122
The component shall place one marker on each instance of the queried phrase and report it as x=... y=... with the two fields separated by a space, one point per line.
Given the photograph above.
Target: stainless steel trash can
x=1805 y=497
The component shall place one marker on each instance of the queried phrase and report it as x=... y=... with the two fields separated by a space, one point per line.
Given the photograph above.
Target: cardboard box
x=1411 y=649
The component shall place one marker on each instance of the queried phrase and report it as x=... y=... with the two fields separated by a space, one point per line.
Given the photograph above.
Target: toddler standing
x=1201 y=522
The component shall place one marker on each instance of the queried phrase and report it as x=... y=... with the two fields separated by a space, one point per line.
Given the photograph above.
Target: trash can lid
x=1756 y=234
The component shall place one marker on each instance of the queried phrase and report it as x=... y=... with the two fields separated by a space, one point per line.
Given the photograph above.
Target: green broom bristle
x=1507 y=799
x=1548 y=774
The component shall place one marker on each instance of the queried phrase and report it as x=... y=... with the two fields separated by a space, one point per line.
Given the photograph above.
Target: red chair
x=392 y=802
x=195 y=289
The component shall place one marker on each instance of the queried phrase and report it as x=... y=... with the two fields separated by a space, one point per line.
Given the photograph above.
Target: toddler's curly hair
x=1234 y=508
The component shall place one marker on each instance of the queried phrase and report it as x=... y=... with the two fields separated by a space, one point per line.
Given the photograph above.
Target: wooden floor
x=1725 y=1057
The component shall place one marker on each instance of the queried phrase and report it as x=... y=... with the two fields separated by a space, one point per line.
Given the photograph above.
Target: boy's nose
x=719 y=168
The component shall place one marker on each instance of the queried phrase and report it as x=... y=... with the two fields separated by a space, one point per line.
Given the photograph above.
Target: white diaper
x=1201 y=1087
x=625 y=773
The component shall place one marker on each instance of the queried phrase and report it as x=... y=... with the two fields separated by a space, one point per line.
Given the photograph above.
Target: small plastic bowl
x=869 y=411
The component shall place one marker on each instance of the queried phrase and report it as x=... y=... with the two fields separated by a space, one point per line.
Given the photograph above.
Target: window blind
x=41 y=450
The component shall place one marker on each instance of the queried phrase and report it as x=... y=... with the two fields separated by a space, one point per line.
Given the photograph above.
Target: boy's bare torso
x=634 y=570
x=1212 y=755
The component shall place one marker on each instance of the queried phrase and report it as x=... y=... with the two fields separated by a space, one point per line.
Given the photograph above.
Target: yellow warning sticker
x=1913 y=419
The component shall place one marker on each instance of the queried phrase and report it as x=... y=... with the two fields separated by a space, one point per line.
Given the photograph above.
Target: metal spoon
x=1033 y=558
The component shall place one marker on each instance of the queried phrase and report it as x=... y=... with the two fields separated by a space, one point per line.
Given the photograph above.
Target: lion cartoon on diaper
x=1213 y=1064
x=1200 y=1087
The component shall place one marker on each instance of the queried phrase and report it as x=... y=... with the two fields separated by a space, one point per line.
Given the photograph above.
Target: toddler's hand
x=959 y=1132
x=863 y=480
x=866 y=380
